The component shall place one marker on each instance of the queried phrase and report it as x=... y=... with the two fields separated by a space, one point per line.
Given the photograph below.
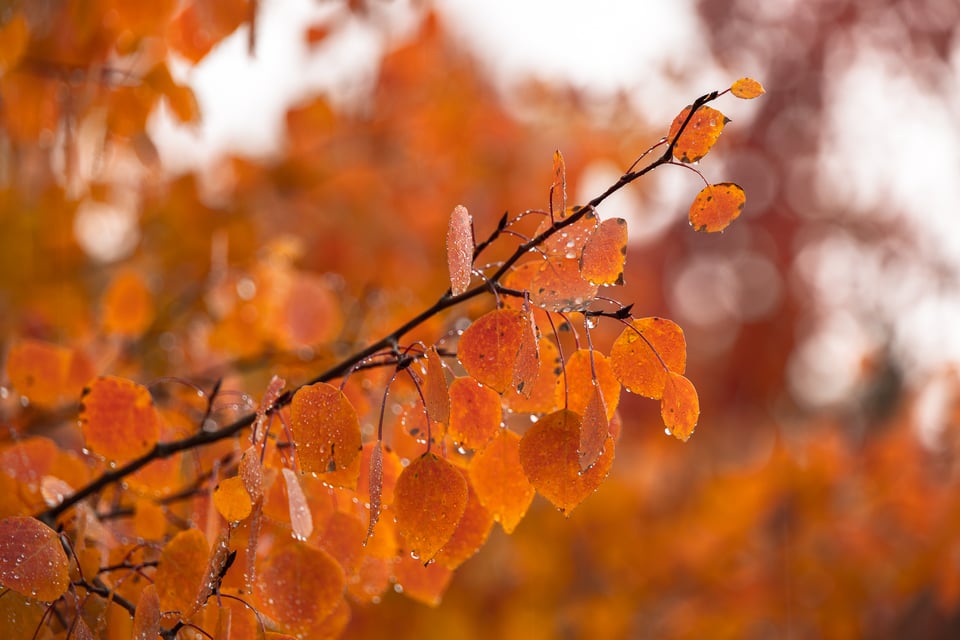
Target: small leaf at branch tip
x=460 y=246
x=747 y=89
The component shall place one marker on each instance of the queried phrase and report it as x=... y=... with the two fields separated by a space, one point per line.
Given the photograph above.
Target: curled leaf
x=460 y=245
x=558 y=190
x=435 y=389
x=716 y=206
x=747 y=88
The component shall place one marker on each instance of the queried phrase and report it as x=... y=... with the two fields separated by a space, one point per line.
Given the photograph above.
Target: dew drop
x=534 y=418
x=461 y=450
x=667 y=431
x=375 y=599
x=414 y=555
x=4 y=392
x=398 y=588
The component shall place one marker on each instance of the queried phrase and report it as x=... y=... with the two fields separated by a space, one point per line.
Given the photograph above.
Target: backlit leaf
x=605 y=253
x=550 y=459
x=180 y=571
x=499 y=482
x=118 y=419
x=488 y=348
x=558 y=286
x=325 y=428
x=301 y=520
x=47 y=374
x=475 y=413
x=716 y=206
x=527 y=367
x=699 y=136
x=747 y=88
x=568 y=241
x=232 y=499
x=430 y=498
x=342 y=536
x=471 y=533
x=32 y=560
x=680 y=406
x=558 y=190
x=542 y=395
x=424 y=584
x=582 y=368
x=643 y=353
x=435 y=389
x=127 y=307
x=20 y=616
x=298 y=586
x=146 y=621
x=595 y=428
x=460 y=245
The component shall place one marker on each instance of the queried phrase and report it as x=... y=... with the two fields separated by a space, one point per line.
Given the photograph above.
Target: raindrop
x=398 y=588
x=461 y=450
x=534 y=418
x=414 y=555
x=375 y=599
x=24 y=401
x=667 y=431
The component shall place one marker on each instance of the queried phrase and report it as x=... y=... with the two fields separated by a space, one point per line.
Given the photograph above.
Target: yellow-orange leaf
x=680 y=406
x=471 y=533
x=499 y=481
x=32 y=560
x=424 y=584
x=128 y=308
x=700 y=134
x=47 y=374
x=550 y=459
x=568 y=242
x=558 y=285
x=325 y=427
x=435 y=389
x=747 y=88
x=460 y=244
x=643 y=353
x=540 y=398
x=180 y=571
x=527 y=367
x=488 y=348
x=430 y=498
x=232 y=499
x=146 y=621
x=716 y=206
x=475 y=412
x=605 y=253
x=595 y=428
x=118 y=418
x=574 y=389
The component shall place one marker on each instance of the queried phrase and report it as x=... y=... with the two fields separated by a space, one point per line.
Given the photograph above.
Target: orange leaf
x=47 y=374
x=542 y=394
x=643 y=353
x=325 y=427
x=499 y=481
x=181 y=570
x=32 y=560
x=568 y=241
x=118 y=418
x=558 y=190
x=298 y=586
x=460 y=245
x=680 y=406
x=605 y=253
x=146 y=621
x=232 y=499
x=342 y=537
x=128 y=308
x=558 y=286
x=471 y=533
x=716 y=206
x=301 y=520
x=149 y=519
x=475 y=413
x=424 y=584
x=527 y=367
x=574 y=389
x=700 y=134
x=488 y=348
x=595 y=428
x=430 y=498
x=435 y=390
x=14 y=36
x=747 y=88
x=550 y=459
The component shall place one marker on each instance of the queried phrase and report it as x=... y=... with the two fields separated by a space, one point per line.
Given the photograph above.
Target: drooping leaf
x=527 y=367
x=699 y=136
x=470 y=534
x=430 y=498
x=146 y=621
x=643 y=353
x=118 y=418
x=325 y=428
x=379 y=470
x=301 y=520
x=680 y=406
x=716 y=206
x=488 y=348
x=32 y=560
x=558 y=286
x=251 y=473
x=747 y=88
x=475 y=412
x=435 y=389
x=232 y=499
x=180 y=571
x=605 y=253
x=575 y=386
x=542 y=394
x=550 y=459
x=298 y=585
x=375 y=488
x=558 y=190
x=499 y=482
x=595 y=428
x=460 y=245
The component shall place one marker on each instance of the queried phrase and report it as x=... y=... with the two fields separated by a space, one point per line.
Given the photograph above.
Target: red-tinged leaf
x=574 y=389
x=424 y=584
x=32 y=560
x=301 y=520
x=118 y=419
x=595 y=429
x=380 y=468
x=325 y=427
x=298 y=586
x=527 y=367
x=47 y=374
x=430 y=498
x=128 y=308
x=558 y=190
x=251 y=473
x=747 y=88
x=232 y=499
x=488 y=348
x=435 y=389
x=643 y=353
x=471 y=533
x=146 y=621
x=342 y=537
x=699 y=136
x=716 y=206
x=605 y=253
x=568 y=242
x=558 y=286
x=475 y=413
x=375 y=487
x=542 y=395
x=181 y=570
x=499 y=482
x=548 y=453
x=460 y=245
x=680 y=406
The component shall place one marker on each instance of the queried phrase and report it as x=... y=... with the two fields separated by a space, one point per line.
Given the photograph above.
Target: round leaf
x=716 y=206
x=700 y=134
x=32 y=560
x=488 y=348
x=680 y=406
x=118 y=418
x=430 y=498
x=475 y=413
x=605 y=253
x=499 y=481
x=325 y=427
x=747 y=88
x=643 y=353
